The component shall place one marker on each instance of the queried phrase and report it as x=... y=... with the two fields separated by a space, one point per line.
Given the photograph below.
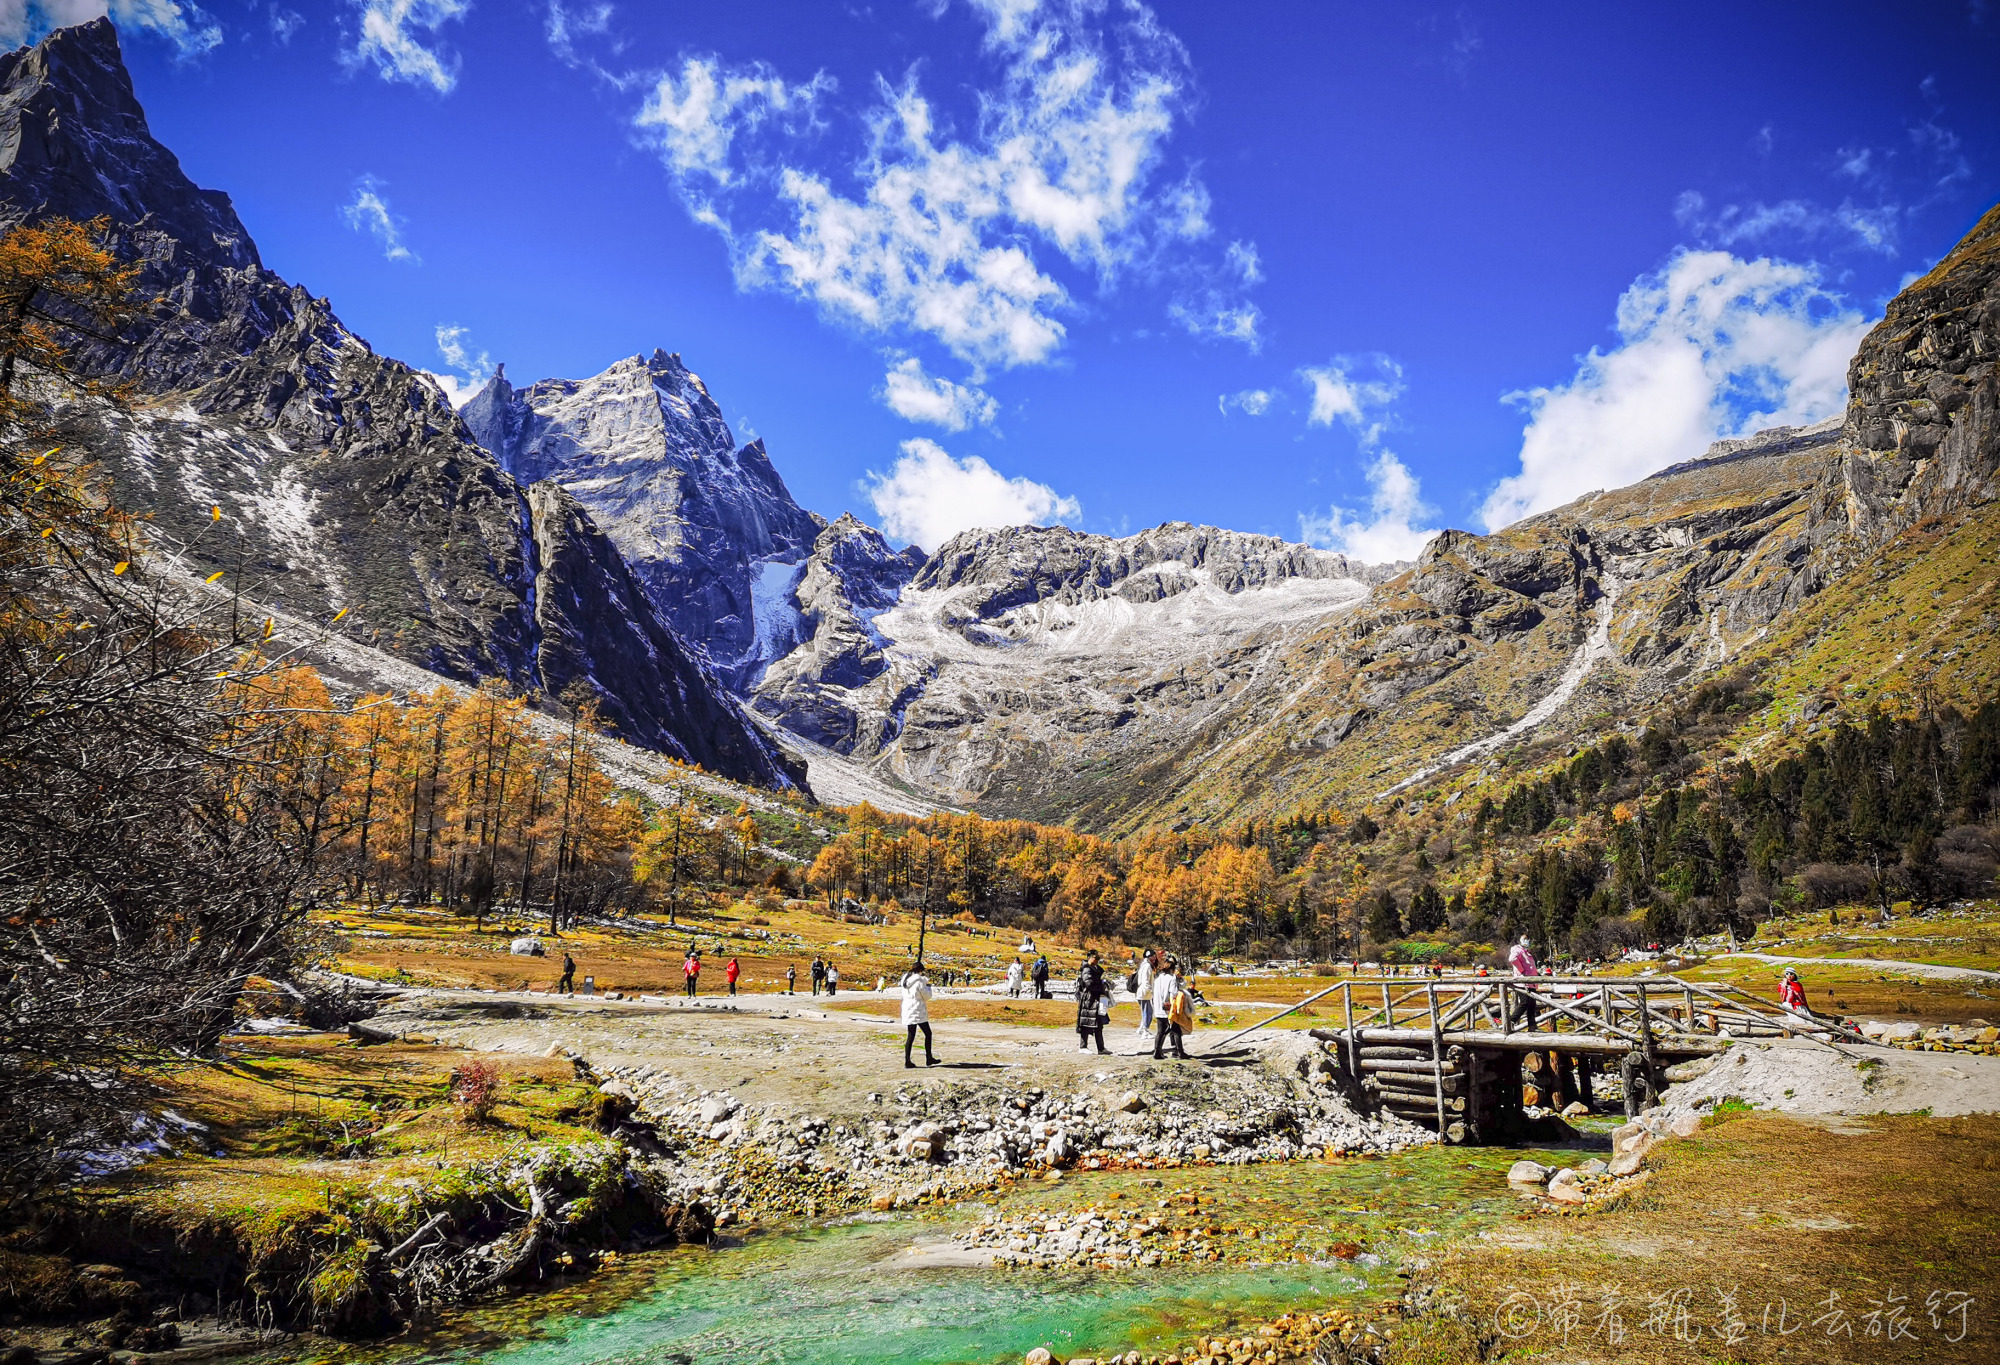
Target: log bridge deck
x=1468 y=1055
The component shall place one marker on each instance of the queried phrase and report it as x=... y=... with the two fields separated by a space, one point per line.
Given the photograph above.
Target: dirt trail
x=1924 y=969
x=783 y=1051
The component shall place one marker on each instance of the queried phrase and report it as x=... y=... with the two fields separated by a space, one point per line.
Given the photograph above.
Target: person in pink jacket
x=1523 y=963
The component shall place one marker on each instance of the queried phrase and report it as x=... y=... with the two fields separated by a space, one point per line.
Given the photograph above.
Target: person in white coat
x=1016 y=974
x=917 y=1014
x=1144 y=989
x=1166 y=986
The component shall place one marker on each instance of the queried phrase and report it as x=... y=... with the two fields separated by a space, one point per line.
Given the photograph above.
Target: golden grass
x=1769 y=1210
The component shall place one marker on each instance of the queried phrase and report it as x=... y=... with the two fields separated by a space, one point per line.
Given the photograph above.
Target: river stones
x=1527 y=1173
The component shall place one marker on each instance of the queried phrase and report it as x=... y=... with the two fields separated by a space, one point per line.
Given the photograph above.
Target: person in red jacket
x=692 y=970
x=1792 y=995
x=730 y=973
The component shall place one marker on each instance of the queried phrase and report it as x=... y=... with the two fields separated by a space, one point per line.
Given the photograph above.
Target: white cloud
x=392 y=36
x=1361 y=403
x=694 y=121
x=1249 y=402
x=285 y=22
x=370 y=213
x=472 y=371
x=1216 y=306
x=1711 y=346
x=928 y=497
x=955 y=235
x=191 y=30
x=1871 y=227
x=1358 y=392
x=918 y=397
x=1390 y=531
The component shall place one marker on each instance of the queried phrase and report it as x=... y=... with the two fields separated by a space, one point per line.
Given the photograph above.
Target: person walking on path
x=818 y=974
x=567 y=986
x=1143 y=986
x=691 y=969
x=1091 y=998
x=730 y=973
x=1014 y=975
x=1167 y=994
x=1041 y=977
x=1523 y=963
x=917 y=1013
x=791 y=978
x=832 y=979
x=1792 y=994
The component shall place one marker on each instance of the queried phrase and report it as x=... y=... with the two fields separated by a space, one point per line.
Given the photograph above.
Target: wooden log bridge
x=1468 y=1056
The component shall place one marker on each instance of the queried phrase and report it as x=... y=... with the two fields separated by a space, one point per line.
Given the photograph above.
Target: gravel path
x=1925 y=969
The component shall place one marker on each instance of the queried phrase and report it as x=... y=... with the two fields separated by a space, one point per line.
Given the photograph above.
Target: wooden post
x=1388 y=1009
x=1353 y=1039
x=1646 y=1036
x=1688 y=995
x=1506 y=1010
x=1437 y=1053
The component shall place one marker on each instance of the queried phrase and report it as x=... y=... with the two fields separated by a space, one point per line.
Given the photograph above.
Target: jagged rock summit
x=646 y=450
x=345 y=478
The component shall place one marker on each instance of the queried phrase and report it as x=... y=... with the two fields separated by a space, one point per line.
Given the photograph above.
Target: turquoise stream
x=823 y=1295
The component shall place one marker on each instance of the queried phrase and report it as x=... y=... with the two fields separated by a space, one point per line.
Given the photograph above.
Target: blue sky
x=1338 y=271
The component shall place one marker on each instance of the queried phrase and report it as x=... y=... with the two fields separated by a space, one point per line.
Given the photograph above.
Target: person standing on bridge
x=691 y=969
x=731 y=972
x=1014 y=975
x=818 y=974
x=917 y=1014
x=1523 y=963
x=791 y=978
x=567 y=986
x=1040 y=975
x=832 y=979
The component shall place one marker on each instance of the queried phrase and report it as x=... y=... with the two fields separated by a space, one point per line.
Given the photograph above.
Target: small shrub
x=475 y=1089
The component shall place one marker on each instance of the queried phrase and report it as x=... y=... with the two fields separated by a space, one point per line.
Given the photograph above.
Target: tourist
x=791 y=978
x=1168 y=999
x=1090 y=1006
x=730 y=974
x=832 y=979
x=1142 y=986
x=691 y=969
x=1041 y=977
x=567 y=986
x=1014 y=975
x=1523 y=963
x=818 y=974
x=1792 y=994
x=917 y=1014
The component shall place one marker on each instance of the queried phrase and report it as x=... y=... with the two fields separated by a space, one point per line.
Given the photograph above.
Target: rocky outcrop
x=344 y=478
x=1922 y=434
x=644 y=448
x=850 y=578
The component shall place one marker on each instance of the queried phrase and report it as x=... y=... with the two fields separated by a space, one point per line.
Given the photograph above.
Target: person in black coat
x=1092 y=991
x=1040 y=975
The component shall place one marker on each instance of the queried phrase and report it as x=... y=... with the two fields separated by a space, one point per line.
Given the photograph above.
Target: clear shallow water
x=821 y=1296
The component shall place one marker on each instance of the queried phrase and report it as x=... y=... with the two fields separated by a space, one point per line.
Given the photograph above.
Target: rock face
x=1922 y=435
x=833 y=649
x=645 y=449
x=1017 y=654
x=344 y=478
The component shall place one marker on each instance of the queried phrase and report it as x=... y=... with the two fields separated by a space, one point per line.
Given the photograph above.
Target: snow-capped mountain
x=701 y=521
x=610 y=529
x=344 y=477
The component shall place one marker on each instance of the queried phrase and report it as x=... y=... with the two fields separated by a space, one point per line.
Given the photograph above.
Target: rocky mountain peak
x=646 y=450
x=74 y=143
